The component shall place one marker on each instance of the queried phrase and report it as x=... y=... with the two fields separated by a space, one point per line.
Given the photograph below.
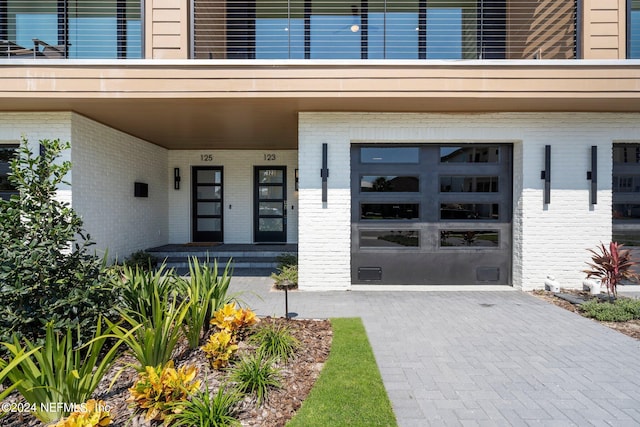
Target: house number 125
x=206 y=157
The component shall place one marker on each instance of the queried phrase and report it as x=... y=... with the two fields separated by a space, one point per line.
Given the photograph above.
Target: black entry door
x=270 y=204
x=207 y=204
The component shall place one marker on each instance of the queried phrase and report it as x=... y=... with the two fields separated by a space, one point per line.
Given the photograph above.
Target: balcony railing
x=379 y=29
x=301 y=29
x=70 y=29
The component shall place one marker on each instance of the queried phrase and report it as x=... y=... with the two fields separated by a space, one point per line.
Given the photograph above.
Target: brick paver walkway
x=481 y=358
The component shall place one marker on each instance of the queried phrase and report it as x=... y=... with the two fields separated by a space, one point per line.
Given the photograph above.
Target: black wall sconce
x=297 y=180
x=592 y=175
x=324 y=172
x=176 y=178
x=546 y=174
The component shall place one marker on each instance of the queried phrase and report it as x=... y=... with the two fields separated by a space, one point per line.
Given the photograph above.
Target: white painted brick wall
x=548 y=240
x=36 y=127
x=106 y=163
x=237 y=191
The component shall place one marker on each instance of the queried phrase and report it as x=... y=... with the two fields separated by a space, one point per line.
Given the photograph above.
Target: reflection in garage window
x=390 y=211
x=469 y=238
x=389 y=238
x=470 y=154
x=626 y=211
x=390 y=184
x=390 y=154
x=468 y=184
x=470 y=211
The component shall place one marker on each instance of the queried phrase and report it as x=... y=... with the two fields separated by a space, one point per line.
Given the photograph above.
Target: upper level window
x=633 y=29
x=81 y=29
x=7 y=152
x=383 y=29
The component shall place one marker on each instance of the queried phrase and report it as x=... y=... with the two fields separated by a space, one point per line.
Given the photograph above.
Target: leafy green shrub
x=46 y=271
x=207 y=292
x=153 y=339
x=275 y=341
x=256 y=375
x=286 y=260
x=141 y=259
x=204 y=411
x=139 y=288
x=620 y=310
x=59 y=372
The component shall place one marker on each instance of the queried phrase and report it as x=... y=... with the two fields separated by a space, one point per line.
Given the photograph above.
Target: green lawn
x=349 y=391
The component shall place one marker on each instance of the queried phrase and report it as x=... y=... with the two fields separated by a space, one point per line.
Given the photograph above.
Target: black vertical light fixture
x=592 y=175
x=297 y=180
x=324 y=172
x=176 y=178
x=546 y=174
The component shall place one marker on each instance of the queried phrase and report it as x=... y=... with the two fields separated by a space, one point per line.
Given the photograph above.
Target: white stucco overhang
x=201 y=104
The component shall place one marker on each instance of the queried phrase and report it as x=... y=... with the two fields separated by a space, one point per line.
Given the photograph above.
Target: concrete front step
x=248 y=260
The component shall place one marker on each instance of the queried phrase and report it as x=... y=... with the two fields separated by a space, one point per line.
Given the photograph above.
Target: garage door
x=431 y=214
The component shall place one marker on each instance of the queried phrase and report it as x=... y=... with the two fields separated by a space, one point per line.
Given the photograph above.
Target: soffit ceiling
x=261 y=110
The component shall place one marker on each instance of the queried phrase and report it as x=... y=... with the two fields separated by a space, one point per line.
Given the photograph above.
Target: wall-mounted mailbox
x=140 y=189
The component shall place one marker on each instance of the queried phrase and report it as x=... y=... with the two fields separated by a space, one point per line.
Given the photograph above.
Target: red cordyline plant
x=611 y=266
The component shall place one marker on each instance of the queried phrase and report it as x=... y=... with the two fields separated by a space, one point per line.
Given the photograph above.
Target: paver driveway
x=481 y=358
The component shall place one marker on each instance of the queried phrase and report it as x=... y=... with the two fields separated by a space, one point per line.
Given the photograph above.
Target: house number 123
x=269 y=156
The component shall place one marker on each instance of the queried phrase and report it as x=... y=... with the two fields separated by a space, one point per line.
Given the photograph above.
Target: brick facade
x=548 y=239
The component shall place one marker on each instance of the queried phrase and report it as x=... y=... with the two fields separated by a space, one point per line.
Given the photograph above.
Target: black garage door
x=431 y=214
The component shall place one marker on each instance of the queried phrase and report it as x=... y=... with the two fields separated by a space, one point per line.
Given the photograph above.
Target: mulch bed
x=298 y=377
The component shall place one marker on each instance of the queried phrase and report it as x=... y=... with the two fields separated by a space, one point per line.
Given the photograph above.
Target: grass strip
x=349 y=391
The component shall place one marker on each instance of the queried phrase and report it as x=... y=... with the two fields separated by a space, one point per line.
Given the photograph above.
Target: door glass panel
x=469 y=238
x=209 y=224
x=209 y=176
x=397 y=184
x=209 y=208
x=271 y=176
x=469 y=184
x=389 y=238
x=626 y=153
x=470 y=211
x=270 y=224
x=271 y=208
x=268 y=192
x=390 y=211
x=209 y=192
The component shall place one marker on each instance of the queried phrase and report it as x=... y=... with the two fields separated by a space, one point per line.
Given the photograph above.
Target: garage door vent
x=369 y=273
x=488 y=274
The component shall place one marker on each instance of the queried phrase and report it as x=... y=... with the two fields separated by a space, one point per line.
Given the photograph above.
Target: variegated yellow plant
x=158 y=388
x=234 y=320
x=224 y=318
x=93 y=414
x=219 y=349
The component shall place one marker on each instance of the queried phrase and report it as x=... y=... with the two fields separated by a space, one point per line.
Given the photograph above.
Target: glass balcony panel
x=82 y=29
x=634 y=30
